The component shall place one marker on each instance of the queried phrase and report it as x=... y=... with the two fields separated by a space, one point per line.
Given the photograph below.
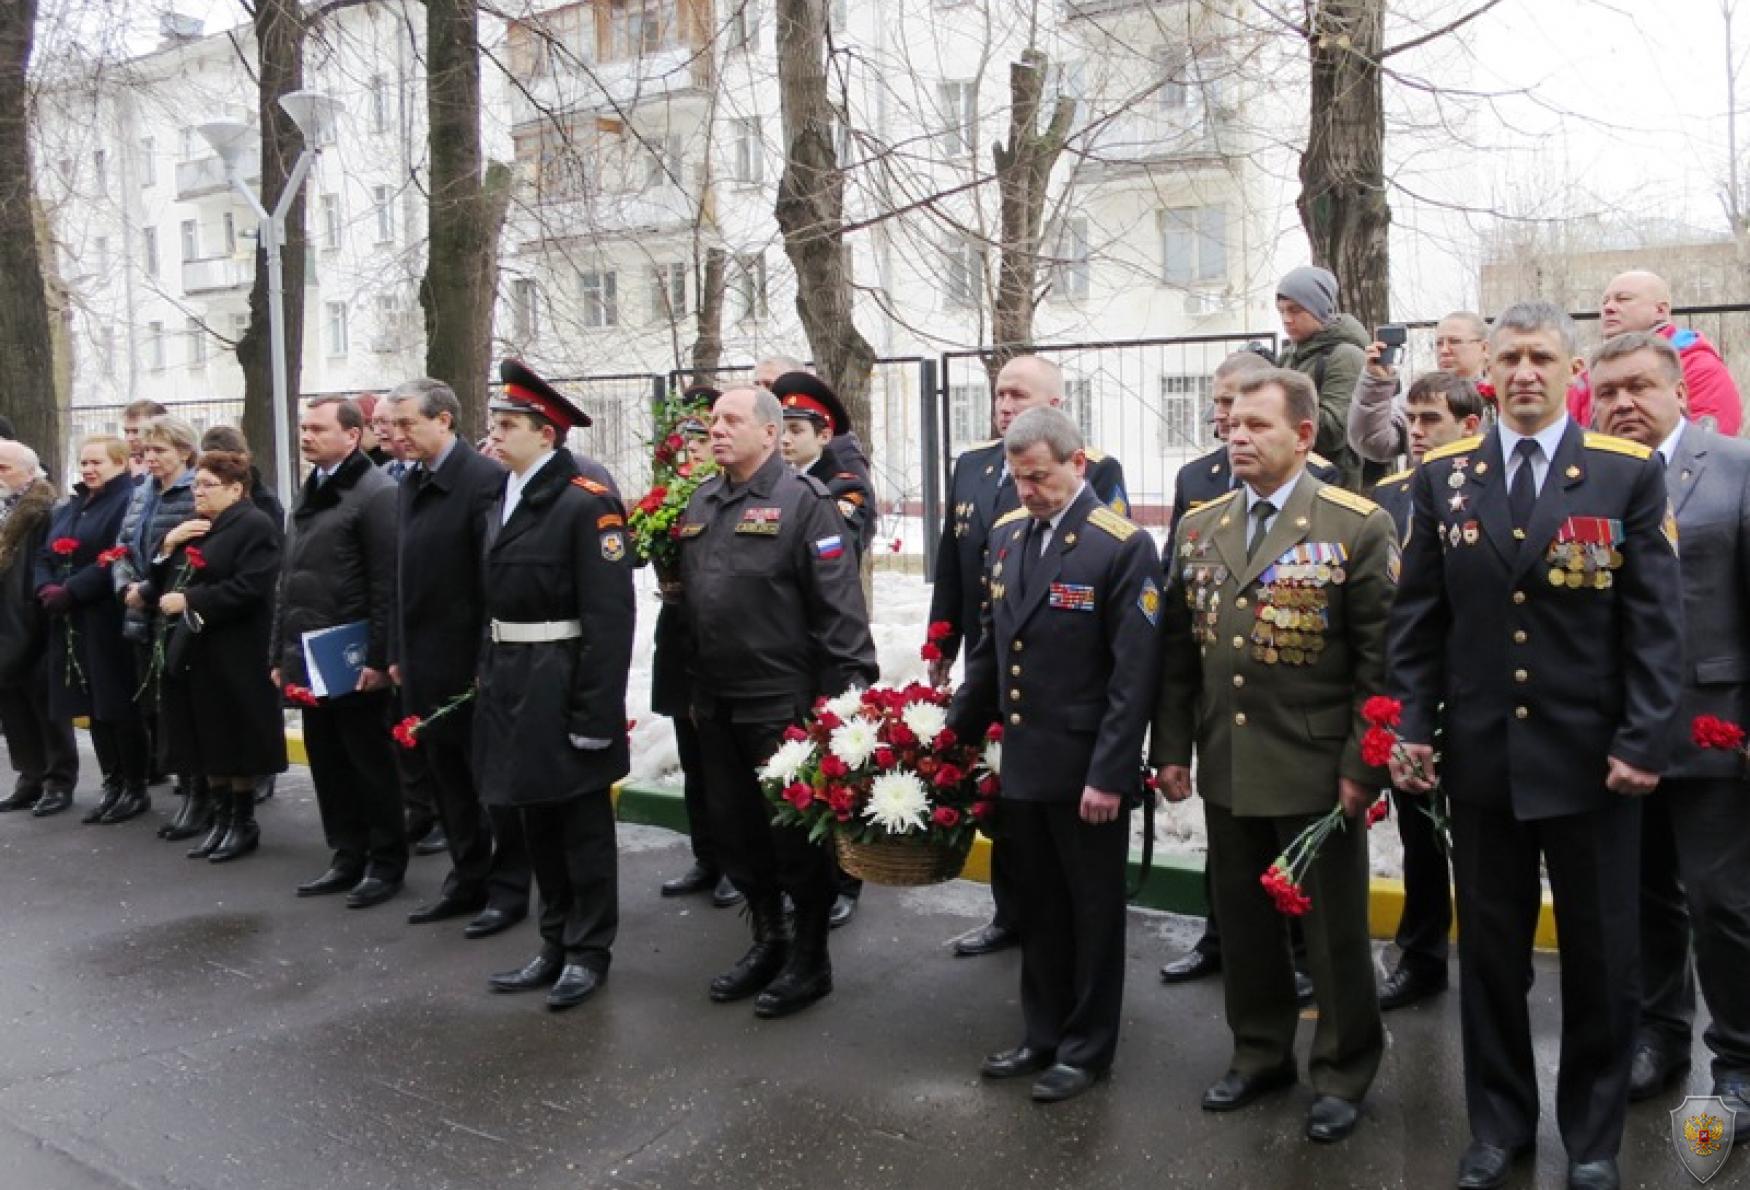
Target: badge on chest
x=1071 y=597
x=1586 y=553
x=760 y=522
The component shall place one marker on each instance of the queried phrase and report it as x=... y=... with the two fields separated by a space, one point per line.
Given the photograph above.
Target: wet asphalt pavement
x=169 y=1023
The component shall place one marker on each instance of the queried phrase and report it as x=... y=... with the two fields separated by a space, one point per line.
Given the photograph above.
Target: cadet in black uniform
x=979 y=493
x=770 y=588
x=550 y=729
x=1067 y=658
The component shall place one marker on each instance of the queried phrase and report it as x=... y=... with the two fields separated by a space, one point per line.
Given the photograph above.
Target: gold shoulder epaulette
x=1395 y=478
x=589 y=485
x=1094 y=454
x=1353 y=501
x=1615 y=445
x=1454 y=448
x=1205 y=506
x=988 y=442
x=1111 y=522
x=1010 y=517
x=1317 y=459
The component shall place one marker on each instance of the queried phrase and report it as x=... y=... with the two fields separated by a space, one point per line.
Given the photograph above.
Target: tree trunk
x=465 y=212
x=279 y=41
x=810 y=210
x=1342 y=199
x=28 y=394
x=707 y=354
x=1023 y=169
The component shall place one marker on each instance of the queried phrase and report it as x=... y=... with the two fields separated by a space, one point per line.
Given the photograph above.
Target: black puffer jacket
x=339 y=564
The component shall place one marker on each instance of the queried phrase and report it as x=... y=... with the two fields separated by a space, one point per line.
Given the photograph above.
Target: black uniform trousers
x=489 y=856
x=1070 y=912
x=1593 y=862
x=352 y=764
x=418 y=797
x=1425 y=927
x=43 y=750
x=686 y=742
x=1695 y=882
x=576 y=864
x=124 y=751
x=760 y=859
x=1258 y=962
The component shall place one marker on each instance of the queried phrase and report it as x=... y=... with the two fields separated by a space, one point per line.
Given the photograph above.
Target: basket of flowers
x=675 y=474
x=879 y=772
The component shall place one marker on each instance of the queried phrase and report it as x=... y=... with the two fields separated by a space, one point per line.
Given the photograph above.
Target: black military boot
x=196 y=813
x=244 y=836
x=184 y=791
x=763 y=960
x=807 y=973
x=112 y=793
x=264 y=788
x=222 y=807
x=133 y=802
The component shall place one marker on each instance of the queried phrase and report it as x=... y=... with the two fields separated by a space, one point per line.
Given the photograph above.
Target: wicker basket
x=901 y=862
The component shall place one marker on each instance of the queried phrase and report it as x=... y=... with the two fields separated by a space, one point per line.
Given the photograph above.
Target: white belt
x=505 y=633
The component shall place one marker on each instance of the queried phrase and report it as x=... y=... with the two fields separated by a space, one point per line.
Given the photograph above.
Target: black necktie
x=1261 y=512
x=1031 y=549
x=1522 y=493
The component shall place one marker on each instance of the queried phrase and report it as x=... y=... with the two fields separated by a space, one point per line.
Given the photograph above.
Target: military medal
x=1455 y=480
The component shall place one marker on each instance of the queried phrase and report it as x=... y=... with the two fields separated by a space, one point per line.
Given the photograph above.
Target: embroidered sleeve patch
x=829 y=547
x=1149 y=602
x=613 y=546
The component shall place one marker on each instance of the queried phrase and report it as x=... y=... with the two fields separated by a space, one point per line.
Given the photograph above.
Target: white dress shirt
x=514 y=485
x=1547 y=440
x=1277 y=500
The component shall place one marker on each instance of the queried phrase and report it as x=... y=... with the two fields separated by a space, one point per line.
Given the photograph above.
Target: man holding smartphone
x=1378 y=429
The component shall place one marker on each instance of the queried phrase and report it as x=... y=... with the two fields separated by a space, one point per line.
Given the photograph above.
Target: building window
x=600 y=306
x=230 y=234
x=637 y=27
x=148 y=162
x=959 y=111
x=1078 y=403
x=964 y=282
x=106 y=350
x=388 y=322
x=330 y=207
x=749 y=151
x=748 y=283
x=1174 y=95
x=384 y=200
x=191 y=144
x=1073 y=266
x=155 y=346
x=197 y=343
x=191 y=240
x=525 y=309
x=665 y=160
x=334 y=328
x=380 y=106
x=968 y=414
x=1185 y=403
x=100 y=171
x=744 y=26
x=668 y=292
x=1193 y=245
x=149 y=249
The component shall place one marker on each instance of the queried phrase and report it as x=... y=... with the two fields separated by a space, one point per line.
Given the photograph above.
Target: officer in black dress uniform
x=550 y=731
x=979 y=493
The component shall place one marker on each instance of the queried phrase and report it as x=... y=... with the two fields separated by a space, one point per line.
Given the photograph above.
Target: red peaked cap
x=525 y=392
x=803 y=394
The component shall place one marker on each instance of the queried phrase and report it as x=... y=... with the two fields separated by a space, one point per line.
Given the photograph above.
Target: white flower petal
x=787 y=761
x=897 y=802
x=855 y=740
x=925 y=719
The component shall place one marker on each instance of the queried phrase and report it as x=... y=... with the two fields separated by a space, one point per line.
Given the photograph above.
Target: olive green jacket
x=1332 y=359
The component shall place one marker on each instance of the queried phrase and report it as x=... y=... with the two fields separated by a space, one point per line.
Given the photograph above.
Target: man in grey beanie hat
x=1328 y=348
x=1312 y=289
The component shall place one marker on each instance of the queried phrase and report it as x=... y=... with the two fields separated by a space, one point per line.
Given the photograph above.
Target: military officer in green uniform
x=1275 y=616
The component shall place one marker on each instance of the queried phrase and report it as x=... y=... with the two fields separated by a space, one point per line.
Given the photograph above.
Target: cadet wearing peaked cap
x=806 y=397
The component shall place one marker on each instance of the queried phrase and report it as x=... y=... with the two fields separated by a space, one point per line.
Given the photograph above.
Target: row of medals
x=1583 y=564
x=1292 y=618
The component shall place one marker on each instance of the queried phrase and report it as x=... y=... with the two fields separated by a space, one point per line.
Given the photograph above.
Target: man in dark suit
x=980 y=492
x=1439 y=409
x=1275 y=632
x=442 y=507
x=1067 y=656
x=1537 y=604
x=1695 y=829
x=550 y=734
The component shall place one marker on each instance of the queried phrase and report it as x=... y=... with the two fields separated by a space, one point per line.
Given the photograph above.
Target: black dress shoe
x=1063 y=1081
x=492 y=920
x=695 y=879
x=986 y=940
x=726 y=895
x=803 y=980
x=335 y=880
x=1594 y=1175
x=20 y=799
x=1654 y=1068
x=1486 y=1166
x=112 y=793
x=1234 y=1090
x=132 y=803
x=1193 y=964
x=843 y=909
x=1331 y=1119
x=576 y=984
x=1405 y=986
x=264 y=788
x=52 y=802
x=445 y=908
x=537 y=973
x=1303 y=989
x=372 y=890
x=1023 y=1059
x=433 y=842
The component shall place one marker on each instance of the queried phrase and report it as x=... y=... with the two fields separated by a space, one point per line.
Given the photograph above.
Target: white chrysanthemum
x=897 y=802
x=925 y=719
x=993 y=756
x=854 y=740
x=847 y=704
x=787 y=761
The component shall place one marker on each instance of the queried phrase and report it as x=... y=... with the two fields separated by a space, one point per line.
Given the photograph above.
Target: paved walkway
x=174 y=1024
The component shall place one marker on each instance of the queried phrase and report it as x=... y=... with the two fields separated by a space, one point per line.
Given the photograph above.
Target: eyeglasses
x=1454 y=342
x=207 y=485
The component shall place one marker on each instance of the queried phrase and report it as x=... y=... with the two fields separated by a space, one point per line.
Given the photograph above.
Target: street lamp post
x=314 y=115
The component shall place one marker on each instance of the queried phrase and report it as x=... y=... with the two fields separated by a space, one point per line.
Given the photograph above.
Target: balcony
x=216 y=274
x=206 y=175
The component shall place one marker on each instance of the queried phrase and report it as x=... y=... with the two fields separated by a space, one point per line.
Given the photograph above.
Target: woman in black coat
x=215 y=577
x=75 y=590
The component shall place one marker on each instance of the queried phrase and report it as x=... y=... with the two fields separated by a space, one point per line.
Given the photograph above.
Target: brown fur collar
x=32 y=510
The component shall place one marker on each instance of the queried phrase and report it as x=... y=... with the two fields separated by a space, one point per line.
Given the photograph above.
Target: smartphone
x=1393 y=335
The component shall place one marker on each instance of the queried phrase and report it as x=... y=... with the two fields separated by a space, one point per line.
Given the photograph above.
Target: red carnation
x=842 y=799
x=1710 y=731
x=1284 y=892
x=929 y=652
x=1376 y=746
x=945 y=816
x=901 y=736
x=196 y=560
x=303 y=696
x=112 y=555
x=406 y=732
x=940 y=630
x=994 y=732
x=1379 y=810
x=798 y=794
x=1382 y=711
x=945 y=739
x=832 y=768
x=829 y=720
x=885 y=759
x=65 y=546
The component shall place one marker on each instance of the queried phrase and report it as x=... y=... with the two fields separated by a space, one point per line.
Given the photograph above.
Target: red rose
x=1710 y=731
x=196 y=560
x=901 y=736
x=994 y=732
x=832 y=768
x=928 y=766
x=947 y=777
x=989 y=785
x=945 y=739
x=940 y=630
x=1376 y=746
x=829 y=720
x=798 y=794
x=65 y=546
x=685 y=470
x=885 y=759
x=674 y=442
x=984 y=808
x=945 y=816
x=794 y=734
x=842 y=799
x=1382 y=711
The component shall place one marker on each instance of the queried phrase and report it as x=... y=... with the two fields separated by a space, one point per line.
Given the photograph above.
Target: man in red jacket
x=1641 y=301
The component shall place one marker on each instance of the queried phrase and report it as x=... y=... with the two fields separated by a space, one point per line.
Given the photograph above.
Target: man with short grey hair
x=442 y=511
